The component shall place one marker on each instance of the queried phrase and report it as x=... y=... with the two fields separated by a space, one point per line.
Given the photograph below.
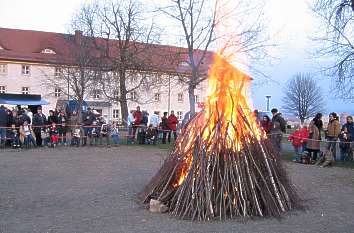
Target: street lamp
x=268 y=101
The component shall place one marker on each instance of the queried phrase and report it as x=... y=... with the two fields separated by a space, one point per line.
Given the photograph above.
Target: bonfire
x=223 y=165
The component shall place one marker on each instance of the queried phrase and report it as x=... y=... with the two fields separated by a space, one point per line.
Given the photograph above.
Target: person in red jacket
x=304 y=132
x=297 y=141
x=138 y=116
x=172 y=125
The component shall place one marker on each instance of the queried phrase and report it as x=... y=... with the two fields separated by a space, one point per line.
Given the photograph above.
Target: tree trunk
x=191 y=99
x=123 y=95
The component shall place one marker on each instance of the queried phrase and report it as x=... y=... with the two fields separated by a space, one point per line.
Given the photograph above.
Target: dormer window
x=47 y=50
x=184 y=64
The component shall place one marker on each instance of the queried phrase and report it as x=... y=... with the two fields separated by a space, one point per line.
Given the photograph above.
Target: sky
x=291 y=21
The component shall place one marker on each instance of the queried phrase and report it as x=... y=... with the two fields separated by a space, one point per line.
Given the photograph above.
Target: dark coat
x=3 y=117
x=39 y=121
x=282 y=123
x=52 y=119
x=88 y=118
x=349 y=128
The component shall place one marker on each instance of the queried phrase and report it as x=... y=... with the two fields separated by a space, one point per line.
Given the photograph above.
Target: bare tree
x=303 y=96
x=336 y=42
x=200 y=22
x=123 y=36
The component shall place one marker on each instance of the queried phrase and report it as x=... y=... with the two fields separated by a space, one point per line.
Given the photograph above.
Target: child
x=76 y=136
x=26 y=132
x=54 y=134
x=297 y=141
x=15 y=137
x=45 y=136
x=115 y=133
x=95 y=134
x=104 y=133
x=150 y=135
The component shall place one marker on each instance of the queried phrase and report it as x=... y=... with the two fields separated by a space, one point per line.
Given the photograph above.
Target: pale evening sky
x=291 y=20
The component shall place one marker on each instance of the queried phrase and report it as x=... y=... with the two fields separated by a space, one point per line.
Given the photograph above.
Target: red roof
x=26 y=46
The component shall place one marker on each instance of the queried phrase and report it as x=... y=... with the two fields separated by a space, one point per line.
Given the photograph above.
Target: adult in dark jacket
x=3 y=125
x=348 y=128
x=278 y=128
x=39 y=124
x=87 y=119
x=164 y=126
x=52 y=118
x=172 y=125
x=62 y=127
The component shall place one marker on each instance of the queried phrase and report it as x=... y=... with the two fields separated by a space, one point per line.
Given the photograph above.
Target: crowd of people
x=306 y=140
x=20 y=128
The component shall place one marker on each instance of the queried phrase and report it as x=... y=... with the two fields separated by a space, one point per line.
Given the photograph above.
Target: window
x=25 y=69
x=180 y=97
x=2 y=89
x=196 y=98
x=57 y=72
x=133 y=95
x=57 y=92
x=179 y=115
x=157 y=97
x=3 y=68
x=116 y=113
x=96 y=94
x=25 y=90
x=47 y=50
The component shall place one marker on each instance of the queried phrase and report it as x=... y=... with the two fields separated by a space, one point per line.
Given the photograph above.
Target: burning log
x=222 y=165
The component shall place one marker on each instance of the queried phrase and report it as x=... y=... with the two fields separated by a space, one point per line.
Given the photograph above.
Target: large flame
x=227 y=112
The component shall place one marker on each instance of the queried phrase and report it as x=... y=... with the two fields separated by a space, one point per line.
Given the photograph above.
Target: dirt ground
x=93 y=190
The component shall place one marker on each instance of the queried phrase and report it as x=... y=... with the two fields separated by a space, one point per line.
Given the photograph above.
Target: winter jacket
x=313 y=142
x=39 y=121
x=349 y=128
x=333 y=129
x=164 y=123
x=266 y=126
x=138 y=116
x=296 y=138
x=304 y=132
x=88 y=118
x=172 y=122
x=278 y=118
x=52 y=119
x=3 y=117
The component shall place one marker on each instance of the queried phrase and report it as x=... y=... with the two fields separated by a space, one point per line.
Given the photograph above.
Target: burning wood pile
x=222 y=165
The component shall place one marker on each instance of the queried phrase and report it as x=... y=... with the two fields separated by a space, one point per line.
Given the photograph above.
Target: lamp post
x=268 y=102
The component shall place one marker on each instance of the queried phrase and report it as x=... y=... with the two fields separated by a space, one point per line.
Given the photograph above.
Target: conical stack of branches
x=223 y=165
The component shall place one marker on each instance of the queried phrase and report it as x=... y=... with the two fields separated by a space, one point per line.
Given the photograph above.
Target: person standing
x=313 y=142
x=164 y=127
x=278 y=128
x=172 y=125
x=39 y=125
x=332 y=133
x=266 y=124
x=3 y=125
x=130 y=124
x=155 y=122
x=348 y=128
x=87 y=119
x=138 y=116
x=62 y=127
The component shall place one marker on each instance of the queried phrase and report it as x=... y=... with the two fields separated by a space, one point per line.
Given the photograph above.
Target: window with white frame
x=96 y=94
x=133 y=95
x=116 y=113
x=57 y=92
x=179 y=115
x=196 y=98
x=157 y=97
x=3 y=68
x=26 y=70
x=180 y=97
x=2 y=89
x=25 y=90
x=57 y=71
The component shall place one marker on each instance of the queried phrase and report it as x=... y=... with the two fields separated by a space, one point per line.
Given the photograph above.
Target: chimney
x=78 y=37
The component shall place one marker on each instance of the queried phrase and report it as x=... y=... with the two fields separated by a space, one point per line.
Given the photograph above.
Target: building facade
x=29 y=63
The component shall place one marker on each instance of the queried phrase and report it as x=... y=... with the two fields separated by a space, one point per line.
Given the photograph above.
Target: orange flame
x=227 y=112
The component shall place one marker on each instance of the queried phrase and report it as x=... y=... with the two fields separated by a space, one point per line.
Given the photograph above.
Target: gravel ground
x=92 y=190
